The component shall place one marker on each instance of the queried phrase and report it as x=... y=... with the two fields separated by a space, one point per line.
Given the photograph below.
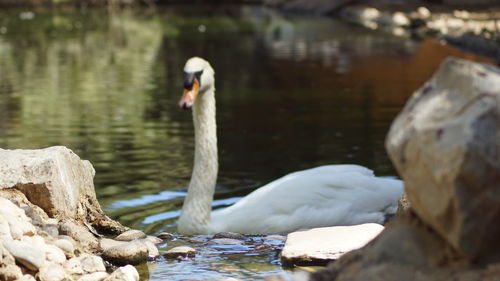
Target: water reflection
x=292 y=93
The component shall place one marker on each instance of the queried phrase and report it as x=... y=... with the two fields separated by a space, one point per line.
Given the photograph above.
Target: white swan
x=322 y=196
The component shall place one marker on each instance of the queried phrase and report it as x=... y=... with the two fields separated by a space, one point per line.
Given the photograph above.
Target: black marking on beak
x=189 y=79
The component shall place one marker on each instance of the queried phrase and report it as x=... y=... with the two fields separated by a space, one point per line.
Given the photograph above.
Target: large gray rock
x=58 y=181
x=446 y=146
x=319 y=246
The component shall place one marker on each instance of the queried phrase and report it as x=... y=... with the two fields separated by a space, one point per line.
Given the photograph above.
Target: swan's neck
x=197 y=206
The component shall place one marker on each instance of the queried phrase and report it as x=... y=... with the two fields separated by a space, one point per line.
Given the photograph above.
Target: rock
x=56 y=180
x=35 y=217
x=445 y=144
x=27 y=255
x=166 y=236
x=79 y=234
x=27 y=277
x=180 y=251
x=106 y=243
x=54 y=254
x=19 y=223
x=51 y=229
x=52 y=272
x=91 y=263
x=152 y=250
x=155 y=240
x=4 y=229
x=10 y=272
x=224 y=241
x=134 y=252
x=319 y=246
x=66 y=246
x=73 y=266
x=96 y=276
x=230 y=235
x=124 y=273
x=130 y=235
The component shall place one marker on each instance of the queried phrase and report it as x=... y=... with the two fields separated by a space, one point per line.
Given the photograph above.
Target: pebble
x=10 y=272
x=91 y=263
x=18 y=222
x=4 y=229
x=134 y=252
x=54 y=254
x=180 y=251
x=225 y=241
x=66 y=246
x=106 y=243
x=73 y=266
x=154 y=240
x=152 y=250
x=52 y=272
x=230 y=235
x=27 y=277
x=26 y=254
x=124 y=273
x=130 y=235
x=166 y=236
x=96 y=276
x=51 y=229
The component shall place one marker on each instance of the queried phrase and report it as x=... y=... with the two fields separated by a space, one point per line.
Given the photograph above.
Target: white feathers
x=323 y=196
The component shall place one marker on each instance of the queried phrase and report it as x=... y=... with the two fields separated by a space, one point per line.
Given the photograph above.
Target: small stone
x=36 y=219
x=106 y=243
x=51 y=229
x=73 y=266
x=152 y=250
x=134 y=252
x=18 y=222
x=230 y=235
x=79 y=234
x=225 y=241
x=423 y=12
x=130 y=235
x=166 y=236
x=154 y=240
x=91 y=263
x=4 y=229
x=66 y=246
x=52 y=272
x=31 y=257
x=274 y=237
x=319 y=246
x=27 y=277
x=124 y=273
x=10 y=272
x=54 y=254
x=96 y=276
x=182 y=251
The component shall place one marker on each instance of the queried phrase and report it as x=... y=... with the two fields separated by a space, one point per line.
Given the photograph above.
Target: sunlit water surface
x=292 y=93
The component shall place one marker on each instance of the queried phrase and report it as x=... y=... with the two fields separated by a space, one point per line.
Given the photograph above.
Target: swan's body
x=322 y=196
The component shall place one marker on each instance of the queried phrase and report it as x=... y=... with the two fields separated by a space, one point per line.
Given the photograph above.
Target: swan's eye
x=189 y=79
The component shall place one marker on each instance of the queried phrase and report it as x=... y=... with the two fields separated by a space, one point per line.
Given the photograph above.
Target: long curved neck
x=197 y=206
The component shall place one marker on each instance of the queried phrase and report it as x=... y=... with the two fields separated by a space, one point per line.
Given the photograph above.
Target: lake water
x=292 y=93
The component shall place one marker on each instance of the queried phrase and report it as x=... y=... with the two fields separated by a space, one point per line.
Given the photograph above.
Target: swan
x=322 y=196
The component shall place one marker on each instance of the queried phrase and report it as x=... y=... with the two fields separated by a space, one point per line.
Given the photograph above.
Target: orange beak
x=189 y=95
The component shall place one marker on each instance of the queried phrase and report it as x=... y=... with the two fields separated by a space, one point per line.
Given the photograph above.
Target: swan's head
x=198 y=78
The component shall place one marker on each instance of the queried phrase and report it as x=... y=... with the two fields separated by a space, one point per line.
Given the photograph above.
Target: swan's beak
x=189 y=95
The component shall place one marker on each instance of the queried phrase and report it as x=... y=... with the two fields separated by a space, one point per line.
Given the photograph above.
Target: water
x=292 y=93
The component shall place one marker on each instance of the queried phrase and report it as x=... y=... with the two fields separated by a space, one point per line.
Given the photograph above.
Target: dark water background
x=292 y=93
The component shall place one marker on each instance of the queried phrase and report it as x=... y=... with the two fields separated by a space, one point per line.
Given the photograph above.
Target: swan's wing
x=322 y=196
